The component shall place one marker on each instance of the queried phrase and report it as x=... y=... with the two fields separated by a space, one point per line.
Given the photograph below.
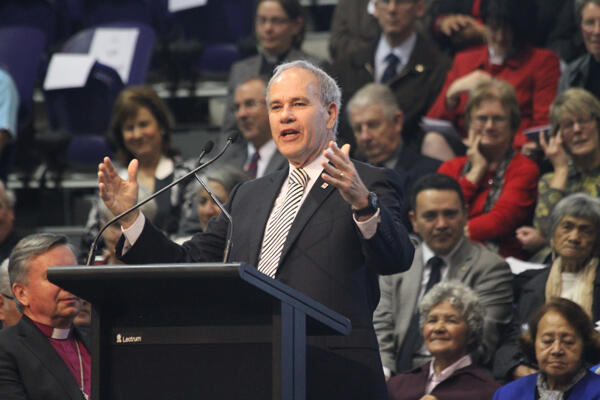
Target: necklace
x=80 y=369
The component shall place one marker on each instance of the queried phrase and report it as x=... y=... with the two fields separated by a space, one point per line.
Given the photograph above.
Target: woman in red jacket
x=533 y=72
x=499 y=183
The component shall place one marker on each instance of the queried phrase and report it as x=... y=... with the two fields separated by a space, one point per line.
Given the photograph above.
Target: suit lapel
x=40 y=347
x=409 y=293
x=262 y=209
x=318 y=193
x=461 y=261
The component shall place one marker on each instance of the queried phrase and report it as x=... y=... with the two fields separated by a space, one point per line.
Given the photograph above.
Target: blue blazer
x=587 y=388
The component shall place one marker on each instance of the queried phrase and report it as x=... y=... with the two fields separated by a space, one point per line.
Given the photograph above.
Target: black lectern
x=196 y=331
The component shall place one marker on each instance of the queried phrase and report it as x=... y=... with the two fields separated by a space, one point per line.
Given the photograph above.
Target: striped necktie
x=280 y=222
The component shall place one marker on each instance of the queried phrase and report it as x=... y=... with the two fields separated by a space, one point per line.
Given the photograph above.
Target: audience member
x=260 y=156
x=457 y=24
x=452 y=322
x=533 y=72
x=221 y=182
x=9 y=105
x=9 y=315
x=326 y=256
x=377 y=123
x=563 y=343
x=573 y=149
x=499 y=183
x=401 y=58
x=279 y=26
x=8 y=235
x=43 y=356
x=565 y=39
x=141 y=130
x=584 y=71
x=439 y=216
x=573 y=274
x=353 y=27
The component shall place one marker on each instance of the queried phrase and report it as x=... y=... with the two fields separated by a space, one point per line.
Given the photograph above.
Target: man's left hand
x=341 y=173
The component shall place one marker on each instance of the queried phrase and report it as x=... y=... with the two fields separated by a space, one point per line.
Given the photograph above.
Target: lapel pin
x=324 y=185
x=419 y=68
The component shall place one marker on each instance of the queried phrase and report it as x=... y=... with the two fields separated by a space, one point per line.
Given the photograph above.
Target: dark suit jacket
x=416 y=87
x=471 y=382
x=31 y=369
x=412 y=165
x=324 y=256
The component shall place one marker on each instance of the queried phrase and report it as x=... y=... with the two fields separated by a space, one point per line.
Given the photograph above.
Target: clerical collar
x=53 y=333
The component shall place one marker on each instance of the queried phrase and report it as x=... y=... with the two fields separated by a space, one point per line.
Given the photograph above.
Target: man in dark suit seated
x=43 y=357
x=439 y=216
x=326 y=226
x=377 y=122
x=260 y=156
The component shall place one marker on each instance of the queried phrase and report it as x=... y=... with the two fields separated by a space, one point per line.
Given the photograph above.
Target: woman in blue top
x=564 y=343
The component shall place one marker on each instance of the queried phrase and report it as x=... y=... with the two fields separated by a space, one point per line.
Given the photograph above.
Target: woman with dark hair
x=141 y=129
x=509 y=56
x=451 y=319
x=499 y=183
x=563 y=344
x=279 y=27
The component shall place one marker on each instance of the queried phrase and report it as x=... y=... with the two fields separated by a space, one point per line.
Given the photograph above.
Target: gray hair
x=463 y=299
x=580 y=5
x=578 y=205
x=30 y=247
x=374 y=93
x=149 y=209
x=575 y=102
x=4 y=280
x=9 y=196
x=329 y=91
x=226 y=175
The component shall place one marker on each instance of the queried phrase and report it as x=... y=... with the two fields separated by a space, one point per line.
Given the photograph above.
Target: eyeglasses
x=7 y=296
x=568 y=127
x=275 y=21
x=397 y=2
x=481 y=120
x=250 y=103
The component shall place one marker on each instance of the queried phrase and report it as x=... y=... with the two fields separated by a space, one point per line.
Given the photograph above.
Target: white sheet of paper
x=517 y=266
x=115 y=47
x=178 y=5
x=68 y=71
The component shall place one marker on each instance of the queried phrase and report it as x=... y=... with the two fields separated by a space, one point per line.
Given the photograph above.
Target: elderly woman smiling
x=451 y=319
x=564 y=343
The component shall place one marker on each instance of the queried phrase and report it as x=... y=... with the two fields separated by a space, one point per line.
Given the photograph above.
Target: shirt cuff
x=368 y=227
x=133 y=232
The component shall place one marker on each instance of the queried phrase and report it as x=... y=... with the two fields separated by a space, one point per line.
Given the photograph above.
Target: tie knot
x=392 y=59
x=299 y=177
x=435 y=262
x=255 y=157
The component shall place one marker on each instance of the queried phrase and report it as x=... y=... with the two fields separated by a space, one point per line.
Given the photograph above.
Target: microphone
x=225 y=213
x=207 y=148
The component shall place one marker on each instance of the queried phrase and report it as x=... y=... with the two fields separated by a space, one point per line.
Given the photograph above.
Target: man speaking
x=327 y=227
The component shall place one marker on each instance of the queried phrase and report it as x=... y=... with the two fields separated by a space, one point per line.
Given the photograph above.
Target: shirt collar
x=428 y=253
x=403 y=51
x=462 y=362
x=53 y=333
x=265 y=152
x=164 y=168
x=313 y=169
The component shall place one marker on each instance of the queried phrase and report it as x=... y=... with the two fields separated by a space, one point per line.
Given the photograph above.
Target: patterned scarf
x=548 y=394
